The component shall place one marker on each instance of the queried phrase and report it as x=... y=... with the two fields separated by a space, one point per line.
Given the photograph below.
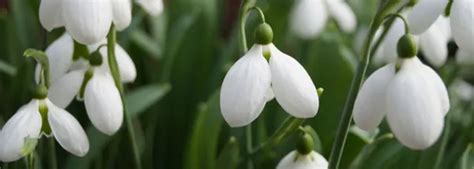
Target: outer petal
x=434 y=44
x=60 y=57
x=26 y=123
x=424 y=14
x=343 y=15
x=293 y=88
x=152 y=7
x=430 y=76
x=87 y=21
x=245 y=88
x=103 y=103
x=122 y=13
x=63 y=91
x=389 y=44
x=414 y=112
x=369 y=106
x=50 y=14
x=128 y=71
x=67 y=131
x=462 y=23
x=464 y=57
x=296 y=161
x=308 y=18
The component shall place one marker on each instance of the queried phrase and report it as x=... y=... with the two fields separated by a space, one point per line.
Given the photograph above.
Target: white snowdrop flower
x=412 y=97
x=425 y=13
x=152 y=7
x=101 y=97
x=388 y=47
x=309 y=17
x=464 y=57
x=252 y=81
x=434 y=42
x=61 y=61
x=27 y=123
x=87 y=21
x=294 y=160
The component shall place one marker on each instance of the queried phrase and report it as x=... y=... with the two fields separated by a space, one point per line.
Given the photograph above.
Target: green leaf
x=229 y=157
x=377 y=153
x=141 y=99
x=467 y=159
x=201 y=152
x=147 y=44
x=7 y=68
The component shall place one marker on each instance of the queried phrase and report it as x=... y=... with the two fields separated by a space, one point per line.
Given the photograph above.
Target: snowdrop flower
x=410 y=94
x=463 y=90
x=41 y=117
x=152 y=7
x=425 y=13
x=252 y=81
x=87 y=21
x=60 y=55
x=464 y=58
x=309 y=17
x=96 y=86
x=304 y=157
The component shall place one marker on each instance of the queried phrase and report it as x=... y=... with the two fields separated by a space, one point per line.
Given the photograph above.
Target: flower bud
x=264 y=34
x=406 y=46
x=305 y=144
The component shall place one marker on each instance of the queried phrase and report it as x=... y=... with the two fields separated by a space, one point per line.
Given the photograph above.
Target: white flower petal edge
x=67 y=130
x=128 y=71
x=87 y=21
x=462 y=23
x=60 y=57
x=50 y=14
x=103 y=104
x=26 y=123
x=296 y=161
x=152 y=7
x=369 y=107
x=343 y=15
x=63 y=91
x=293 y=88
x=122 y=13
x=245 y=88
x=424 y=14
x=413 y=110
x=389 y=44
x=308 y=18
x=430 y=76
x=434 y=44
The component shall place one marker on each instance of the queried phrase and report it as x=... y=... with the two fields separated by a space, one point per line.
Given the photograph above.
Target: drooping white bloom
x=414 y=100
x=27 y=124
x=87 y=21
x=60 y=55
x=388 y=47
x=425 y=13
x=252 y=81
x=152 y=7
x=309 y=17
x=294 y=160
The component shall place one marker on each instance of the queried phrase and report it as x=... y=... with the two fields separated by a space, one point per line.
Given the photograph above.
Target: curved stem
x=405 y=22
x=346 y=118
x=260 y=13
x=244 y=8
x=111 y=41
x=43 y=60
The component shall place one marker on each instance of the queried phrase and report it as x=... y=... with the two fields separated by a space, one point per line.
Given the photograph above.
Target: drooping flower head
x=304 y=157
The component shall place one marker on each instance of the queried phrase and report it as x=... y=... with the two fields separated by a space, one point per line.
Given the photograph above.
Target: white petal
x=50 y=14
x=430 y=76
x=60 y=57
x=462 y=23
x=67 y=131
x=308 y=18
x=296 y=161
x=152 y=7
x=294 y=90
x=464 y=57
x=122 y=16
x=369 y=107
x=414 y=112
x=389 y=44
x=343 y=15
x=424 y=14
x=87 y=21
x=63 y=91
x=103 y=104
x=444 y=24
x=128 y=71
x=26 y=123
x=434 y=45
x=244 y=89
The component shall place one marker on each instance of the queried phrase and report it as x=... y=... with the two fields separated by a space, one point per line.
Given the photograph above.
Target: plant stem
x=248 y=133
x=111 y=41
x=52 y=154
x=31 y=160
x=244 y=8
x=346 y=118
x=290 y=125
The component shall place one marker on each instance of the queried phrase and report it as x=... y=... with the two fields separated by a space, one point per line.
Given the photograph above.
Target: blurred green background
x=181 y=59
